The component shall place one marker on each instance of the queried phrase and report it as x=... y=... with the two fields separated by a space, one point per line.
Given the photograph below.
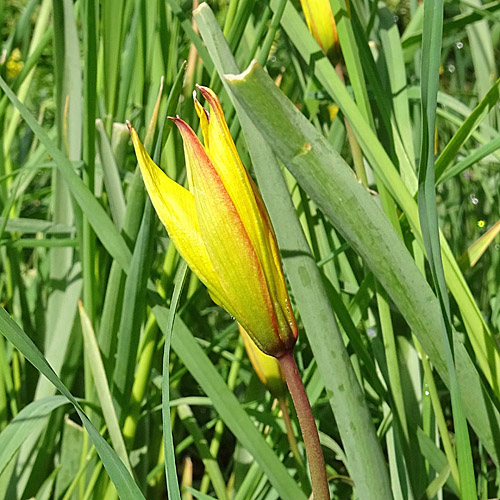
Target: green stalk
x=228 y=23
x=308 y=427
x=219 y=426
x=3 y=389
x=142 y=376
x=439 y=415
x=357 y=155
x=292 y=441
x=268 y=41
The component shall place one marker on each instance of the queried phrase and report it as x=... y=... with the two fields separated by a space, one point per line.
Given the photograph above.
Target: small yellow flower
x=480 y=223
x=14 y=64
x=266 y=367
x=222 y=229
x=321 y=24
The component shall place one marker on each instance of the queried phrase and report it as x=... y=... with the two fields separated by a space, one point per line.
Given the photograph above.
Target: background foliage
x=90 y=284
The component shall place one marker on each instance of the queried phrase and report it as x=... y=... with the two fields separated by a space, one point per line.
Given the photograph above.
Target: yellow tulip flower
x=321 y=24
x=221 y=228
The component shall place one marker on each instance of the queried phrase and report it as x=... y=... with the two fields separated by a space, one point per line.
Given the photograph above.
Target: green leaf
x=465 y=131
x=168 y=440
x=102 y=387
x=121 y=478
x=30 y=421
x=329 y=181
x=470 y=257
x=98 y=218
x=427 y=208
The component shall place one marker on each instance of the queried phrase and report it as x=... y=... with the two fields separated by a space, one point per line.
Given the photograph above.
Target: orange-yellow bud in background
x=221 y=228
x=321 y=24
x=266 y=367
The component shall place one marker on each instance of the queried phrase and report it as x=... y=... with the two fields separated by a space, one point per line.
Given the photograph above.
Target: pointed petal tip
x=180 y=123
x=210 y=96
x=204 y=90
x=129 y=125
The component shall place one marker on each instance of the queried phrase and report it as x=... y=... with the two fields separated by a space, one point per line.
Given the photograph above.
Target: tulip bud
x=221 y=228
x=321 y=24
x=266 y=367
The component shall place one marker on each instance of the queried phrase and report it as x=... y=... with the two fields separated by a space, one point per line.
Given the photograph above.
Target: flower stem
x=283 y=403
x=357 y=155
x=319 y=481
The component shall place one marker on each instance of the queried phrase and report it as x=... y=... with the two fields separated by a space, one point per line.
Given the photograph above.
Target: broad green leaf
x=357 y=216
x=481 y=339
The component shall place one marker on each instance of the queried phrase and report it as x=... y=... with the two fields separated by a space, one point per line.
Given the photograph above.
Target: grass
x=116 y=368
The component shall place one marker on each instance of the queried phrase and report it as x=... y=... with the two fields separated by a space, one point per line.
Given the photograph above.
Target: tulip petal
x=229 y=246
x=204 y=117
x=175 y=207
x=321 y=24
x=221 y=149
x=279 y=295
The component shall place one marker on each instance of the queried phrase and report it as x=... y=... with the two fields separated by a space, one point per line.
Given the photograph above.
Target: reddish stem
x=308 y=427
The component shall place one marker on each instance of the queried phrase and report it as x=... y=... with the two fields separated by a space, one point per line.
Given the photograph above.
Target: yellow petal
x=176 y=209
x=321 y=24
x=222 y=152
x=276 y=281
x=230 y=249
x=203 y=115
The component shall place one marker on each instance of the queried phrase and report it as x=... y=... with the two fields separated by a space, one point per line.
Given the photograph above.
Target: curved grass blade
x=121 y=478
x=431 y=60
x=30 y=420
x=168 y=442
x=469 y=161
x=479 y=113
